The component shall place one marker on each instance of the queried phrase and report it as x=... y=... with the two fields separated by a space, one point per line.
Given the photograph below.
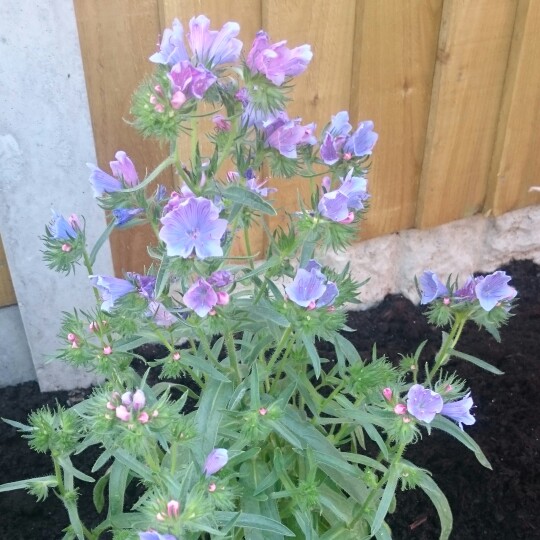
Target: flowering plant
x=242 y=429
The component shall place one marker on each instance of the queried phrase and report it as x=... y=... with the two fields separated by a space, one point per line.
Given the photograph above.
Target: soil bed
x=499 y=504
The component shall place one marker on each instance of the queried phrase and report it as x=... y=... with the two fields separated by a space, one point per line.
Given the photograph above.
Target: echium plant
x=241 y=429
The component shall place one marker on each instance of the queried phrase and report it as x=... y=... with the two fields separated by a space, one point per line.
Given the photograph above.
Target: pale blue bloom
x=193 y=225
x=423 y=403
x=460 y=411
x=215 y=461
x=431 y=287
x=111 y=289
x=310 y=287
x=60 y=228
x=201 y=297
x=172 y=49
x=494 y=288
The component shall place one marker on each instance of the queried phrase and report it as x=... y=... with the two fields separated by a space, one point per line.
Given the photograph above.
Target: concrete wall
x=45 y=141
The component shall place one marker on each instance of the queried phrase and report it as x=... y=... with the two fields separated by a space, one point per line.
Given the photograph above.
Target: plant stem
x=231 y=349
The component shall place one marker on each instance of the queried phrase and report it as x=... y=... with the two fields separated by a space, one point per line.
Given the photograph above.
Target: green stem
x=231 y=349
x=228 y=144
x=282 y=363
x=448 y=345
x=247 y=243
x=152 y=176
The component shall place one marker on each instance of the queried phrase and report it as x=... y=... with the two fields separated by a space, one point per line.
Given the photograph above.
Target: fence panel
x=7 y=293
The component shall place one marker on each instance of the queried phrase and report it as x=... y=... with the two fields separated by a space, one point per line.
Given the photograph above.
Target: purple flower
x=285 y=134
x=310 y=287
x=276 y=61
x=362 y=141
x=431 y=287
x=212 y=47
x=466 y=293
x=201 y=297
x=337 y=142
x=423 y=403
x=192 y=81
x=124 y=215
x=154 y=535
x=62 y=229
x=193 y=225
x=172 y=50
x=160 y=315
x=258 y=187
x=124 y=175
x=494 y=288
x=352 y=194
x=220 y=278
x=138 y=400
x=460 y=411
x=111 y=289
x=215 y=461
x=124 y=169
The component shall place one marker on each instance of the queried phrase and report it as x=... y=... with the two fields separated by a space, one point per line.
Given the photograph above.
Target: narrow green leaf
x=25 y=484
x=449 y=427
x=205 y=366
x=117 y=487
x=313 y=355
x=266 y=313
x=386 y=499
x=66 y=464
x=75 y=521
x=132 y=464
x=476 y=361
x=18 y=425
x=254 y=521
x=100 y=241
x=248 y=198
x=101 y=460
x=98 y=494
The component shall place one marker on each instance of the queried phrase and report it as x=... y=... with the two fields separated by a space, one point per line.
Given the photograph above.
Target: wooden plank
x=474 y=45
x=324 y=89
x=7 y=293
x=394 y=61
x=117 y=37
x=247 y=13
x=515 y=166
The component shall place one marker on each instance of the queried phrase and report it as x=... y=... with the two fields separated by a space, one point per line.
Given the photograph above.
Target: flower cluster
x=129 y=407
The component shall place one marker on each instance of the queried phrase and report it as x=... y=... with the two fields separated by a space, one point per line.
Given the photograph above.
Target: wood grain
x=472 y=56
x=117 y=37
x=394 y=60
x=7 y=293
x=515 y=165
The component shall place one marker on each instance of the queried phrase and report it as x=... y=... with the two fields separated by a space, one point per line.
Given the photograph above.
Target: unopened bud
x=93 y=326
x=160 y=516
x=263 y=411
x=143 y=418
x=176 y=356
x=71 y=337
x=212 y=487
x=222 y=298
x=159 y=108
x=348 y=219
x=122 y=413
x=400 y=408
x=178 y=99
x=446 y=301
x=139 y=400
x=66 y=248
x=406 y=420
x=387 y=393
x=107 y=350
x=173 y=508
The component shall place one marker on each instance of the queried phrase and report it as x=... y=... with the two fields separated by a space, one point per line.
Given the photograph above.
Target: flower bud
x=173 y=508
x=212 y=487
x=127 y=398
x=71 y=337
x=122 y=413
x=263 y=411
x=387 y=393
x=215 y=461
x=400 y=408
x=107 y=350
x=66 y=248
x=139 y=400
x=143 y=418
x=222 y=298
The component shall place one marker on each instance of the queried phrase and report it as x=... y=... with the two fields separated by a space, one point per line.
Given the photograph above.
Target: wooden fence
x=453 y=87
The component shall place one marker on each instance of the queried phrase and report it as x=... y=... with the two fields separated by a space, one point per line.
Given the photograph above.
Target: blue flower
x=193 y=225
x=423 y=403
x=124 y=175
x=111 y=289
x=362 y=141
x=460 y=411
x=215 y=461
x=431 y=287
x=201 y=297
x=124 y=215
x=172 y=49
x=154 y=535
x=494 y=288
x=310 y=287
x=351 y=194
x=62 y=229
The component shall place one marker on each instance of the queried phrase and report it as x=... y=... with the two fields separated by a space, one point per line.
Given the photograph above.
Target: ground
x=501 y=504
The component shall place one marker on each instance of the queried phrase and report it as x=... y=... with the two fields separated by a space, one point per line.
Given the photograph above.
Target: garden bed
x=498 y=504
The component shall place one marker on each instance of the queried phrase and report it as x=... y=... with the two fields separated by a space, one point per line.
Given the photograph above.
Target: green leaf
x=214 y=399
x=75 y=521
x=203 y=365
x=98 y=494
x=101 y=460
x=117 y=487
x=265 y=313
x=25 y=484
x=260 y=269
x=476 y=361
x=313 y=355
x=386 y=499
x=442 y=423
x=66 y=464
x=432 y=490
x=18 y=425
x=254 y=521
x=132 y=464
x=347 y=348
x=248 y=198
x=101 y=240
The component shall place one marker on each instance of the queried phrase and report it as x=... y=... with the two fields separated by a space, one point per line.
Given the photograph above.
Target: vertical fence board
x=394 y=60
x=7 y=293
x=248 y=14
x=117 y=37
x=516 y=159
x=324 y=89
x=472 y=56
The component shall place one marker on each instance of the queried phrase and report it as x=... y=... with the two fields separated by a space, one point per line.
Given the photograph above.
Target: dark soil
x=499 y=504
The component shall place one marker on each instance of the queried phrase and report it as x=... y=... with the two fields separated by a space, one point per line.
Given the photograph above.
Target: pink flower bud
x=347 y=156
x=74 y=345
x=127 y=398
x=212 y=312
x=448 y=388
x=111 y=406
x=311 y=305
x=71 y=337
x=143 y=418
x=74 y=221
x=173 y=508
x=122 y=413
x=406 y=419
x=400 y=408
x=446 y=301
x=212 y=487
x=139 y=400
x=387 y=393
x=348 y=219
x=263 y=411
x=107 y=350
x=93 y=326
x=176 y=356
x=159 y=108
x=153 y=99
x=222 y=298
x=158 y=89
x=66 y=248
x=178 y=99
x=221 y=123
